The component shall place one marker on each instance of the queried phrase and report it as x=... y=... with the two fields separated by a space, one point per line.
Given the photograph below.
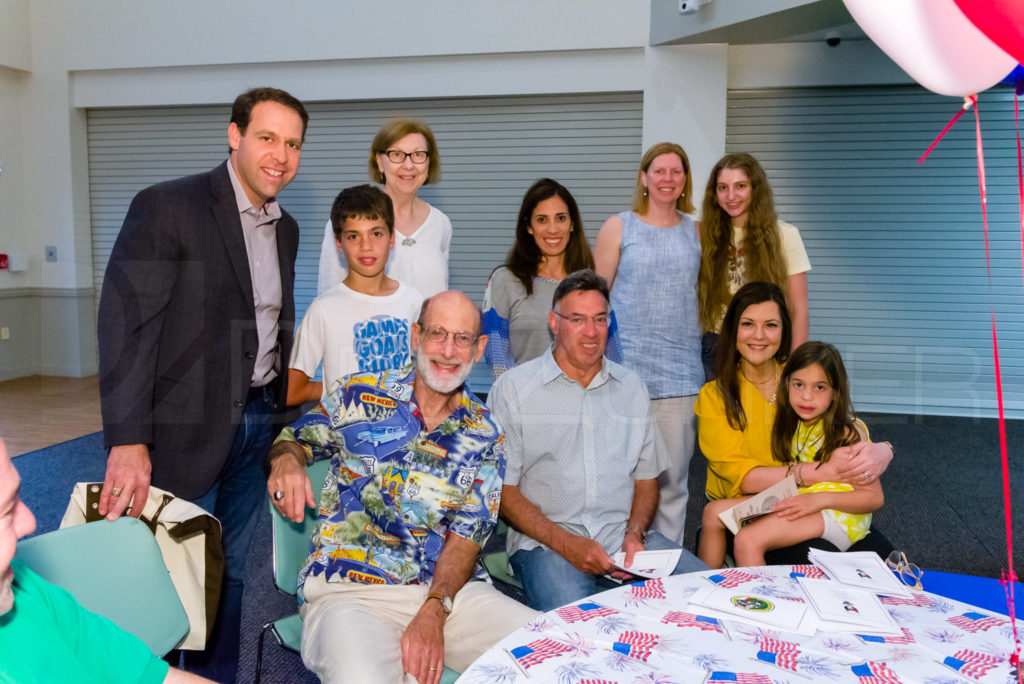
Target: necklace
x=807 y=438
x=408 y=242
x=761 y=383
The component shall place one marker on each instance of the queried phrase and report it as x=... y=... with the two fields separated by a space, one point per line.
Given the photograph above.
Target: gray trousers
x=678 y=425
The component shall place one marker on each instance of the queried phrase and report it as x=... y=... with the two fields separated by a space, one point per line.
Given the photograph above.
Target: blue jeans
x=234 y=500
x=551 y=581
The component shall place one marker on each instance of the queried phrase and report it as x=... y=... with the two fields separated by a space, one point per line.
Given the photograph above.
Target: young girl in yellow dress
x=814 y=418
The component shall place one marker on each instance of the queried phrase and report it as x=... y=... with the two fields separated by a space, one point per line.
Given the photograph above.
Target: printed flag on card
x=584 y=612
x=808 y=571
x=637 y=645
x=731 y=578
x=538 y=651
x=875 y=673
x=681 y=619
x=973 y=664
x=778 y=653
x=649 y=589
x=907 y=638
x=919 y=600
x=722 y=676
x=975 y=622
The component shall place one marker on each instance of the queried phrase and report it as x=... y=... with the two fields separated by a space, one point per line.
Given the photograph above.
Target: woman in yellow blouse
x=735 y=412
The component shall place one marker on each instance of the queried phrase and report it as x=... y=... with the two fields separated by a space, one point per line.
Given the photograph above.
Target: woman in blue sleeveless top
x=650 y=257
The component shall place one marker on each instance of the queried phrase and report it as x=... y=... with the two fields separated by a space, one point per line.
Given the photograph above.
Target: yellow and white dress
x=806 y=442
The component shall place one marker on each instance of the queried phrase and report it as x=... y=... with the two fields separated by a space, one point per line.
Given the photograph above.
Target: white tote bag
x=189 y=540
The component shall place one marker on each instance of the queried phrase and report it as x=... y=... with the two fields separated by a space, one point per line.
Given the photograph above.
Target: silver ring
x=116 y=491
x=278 y=495
x=867 y=478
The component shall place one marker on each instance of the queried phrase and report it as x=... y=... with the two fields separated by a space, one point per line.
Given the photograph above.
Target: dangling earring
x=645 y=191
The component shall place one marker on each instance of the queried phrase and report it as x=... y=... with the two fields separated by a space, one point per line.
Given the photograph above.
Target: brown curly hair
x=762 y=242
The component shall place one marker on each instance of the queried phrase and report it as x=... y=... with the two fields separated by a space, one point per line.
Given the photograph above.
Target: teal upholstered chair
x=114 y=569
x=496 y=562
x=291 y=549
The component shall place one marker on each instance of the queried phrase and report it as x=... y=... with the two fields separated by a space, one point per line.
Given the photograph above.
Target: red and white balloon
x=935 y=43
x=1001 y=20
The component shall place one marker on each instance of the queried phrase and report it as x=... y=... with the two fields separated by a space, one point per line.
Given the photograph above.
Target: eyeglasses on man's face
x=435 y=334
x=398 y=156
x=579 y=320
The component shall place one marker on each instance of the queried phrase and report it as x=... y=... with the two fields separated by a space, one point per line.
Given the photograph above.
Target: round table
x=647 y=633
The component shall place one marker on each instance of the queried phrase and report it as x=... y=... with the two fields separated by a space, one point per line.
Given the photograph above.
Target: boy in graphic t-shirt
x=363 y=323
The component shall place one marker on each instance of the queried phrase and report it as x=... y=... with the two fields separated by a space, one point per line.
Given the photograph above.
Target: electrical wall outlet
x=5 y=333
x=51 y=252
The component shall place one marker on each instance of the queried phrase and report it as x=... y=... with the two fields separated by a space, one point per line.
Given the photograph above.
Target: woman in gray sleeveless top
x=650 y=257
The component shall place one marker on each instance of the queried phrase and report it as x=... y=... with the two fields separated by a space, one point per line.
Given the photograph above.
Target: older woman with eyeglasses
x=403 y=157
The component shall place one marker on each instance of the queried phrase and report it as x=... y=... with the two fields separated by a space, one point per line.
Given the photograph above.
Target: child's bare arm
x=301 y=389
x=863 y=499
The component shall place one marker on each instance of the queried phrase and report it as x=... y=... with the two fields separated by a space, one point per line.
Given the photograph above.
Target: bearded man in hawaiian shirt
x=392 y=590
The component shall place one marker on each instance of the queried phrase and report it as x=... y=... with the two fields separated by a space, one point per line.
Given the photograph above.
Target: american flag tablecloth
x=646 y=633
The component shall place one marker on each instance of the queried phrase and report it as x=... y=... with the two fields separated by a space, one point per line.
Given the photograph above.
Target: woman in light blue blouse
x=650 y=257
x=549 y=245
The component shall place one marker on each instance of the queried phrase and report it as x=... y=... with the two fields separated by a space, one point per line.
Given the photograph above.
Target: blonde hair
x=762 y=241
x=392 y=132
x=683 y=204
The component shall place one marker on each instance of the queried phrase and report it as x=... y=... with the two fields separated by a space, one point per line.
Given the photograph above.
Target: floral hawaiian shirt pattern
x=394 y=490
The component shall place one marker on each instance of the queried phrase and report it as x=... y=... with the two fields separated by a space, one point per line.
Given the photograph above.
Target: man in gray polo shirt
x=583 y=456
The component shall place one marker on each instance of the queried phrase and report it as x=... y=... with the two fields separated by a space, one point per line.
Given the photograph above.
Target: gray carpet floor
x=943 y=507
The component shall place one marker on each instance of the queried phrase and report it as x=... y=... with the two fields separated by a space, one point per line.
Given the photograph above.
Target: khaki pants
x=351 y=632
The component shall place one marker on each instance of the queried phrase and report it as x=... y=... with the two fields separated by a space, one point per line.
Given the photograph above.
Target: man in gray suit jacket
x=195 y=331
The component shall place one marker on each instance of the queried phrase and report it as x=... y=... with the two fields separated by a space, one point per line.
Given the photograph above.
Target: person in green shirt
x=45 y=634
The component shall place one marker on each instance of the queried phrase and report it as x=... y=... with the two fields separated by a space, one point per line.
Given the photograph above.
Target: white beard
x=424 y=371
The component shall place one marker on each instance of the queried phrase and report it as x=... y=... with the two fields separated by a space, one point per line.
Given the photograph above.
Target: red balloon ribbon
x=1008 y=576
x=968 y=102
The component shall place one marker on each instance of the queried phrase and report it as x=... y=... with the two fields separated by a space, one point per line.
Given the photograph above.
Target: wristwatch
x=446 y=601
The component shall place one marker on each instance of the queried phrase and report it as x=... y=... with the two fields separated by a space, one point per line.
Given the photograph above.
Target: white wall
x=15 y=52
x=14 y=234
x=115 y=34
x=684 y=102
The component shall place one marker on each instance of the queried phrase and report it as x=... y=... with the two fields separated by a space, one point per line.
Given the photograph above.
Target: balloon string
x=968 y=102
x=1008 y=576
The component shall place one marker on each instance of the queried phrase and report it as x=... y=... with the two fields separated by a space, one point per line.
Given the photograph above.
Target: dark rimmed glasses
x=398 y=156
x=908 y=573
